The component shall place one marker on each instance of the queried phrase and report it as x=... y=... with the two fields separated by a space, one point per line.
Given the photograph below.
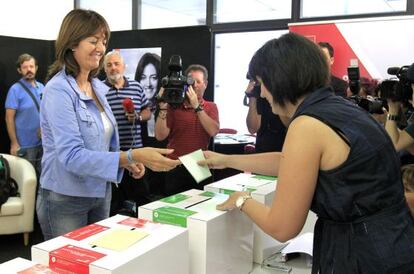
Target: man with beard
x=22 y=113
x=129 y=125
x=189 y=127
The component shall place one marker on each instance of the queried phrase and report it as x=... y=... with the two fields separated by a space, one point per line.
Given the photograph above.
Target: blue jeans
x=34 y=156
x=59 y=214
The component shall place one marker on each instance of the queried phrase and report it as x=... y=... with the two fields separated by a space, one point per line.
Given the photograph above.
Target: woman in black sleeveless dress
x=336 y=161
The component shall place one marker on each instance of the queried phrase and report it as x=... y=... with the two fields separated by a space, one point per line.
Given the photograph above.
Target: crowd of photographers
x=391 y=103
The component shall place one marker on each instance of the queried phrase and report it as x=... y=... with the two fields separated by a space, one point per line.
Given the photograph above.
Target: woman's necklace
x=86 y=88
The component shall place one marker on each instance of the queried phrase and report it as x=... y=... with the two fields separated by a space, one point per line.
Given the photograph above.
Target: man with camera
x=269 y=128
x=396 y=93
x=189 y=126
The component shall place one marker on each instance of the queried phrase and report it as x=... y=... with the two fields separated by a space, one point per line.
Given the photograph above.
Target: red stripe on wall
x=343 y=52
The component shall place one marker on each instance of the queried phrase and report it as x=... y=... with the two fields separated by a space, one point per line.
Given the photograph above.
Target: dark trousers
x=179 y=180
x=156 y=184
x=155 y=180
x=130 y=190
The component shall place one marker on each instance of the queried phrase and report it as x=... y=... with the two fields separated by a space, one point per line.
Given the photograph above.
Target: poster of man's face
x=143 y=65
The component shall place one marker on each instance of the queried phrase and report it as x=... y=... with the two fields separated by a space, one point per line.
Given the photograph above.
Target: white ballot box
x=119 y=244
x=262 y=189
x=219 y=241
x=23 y=266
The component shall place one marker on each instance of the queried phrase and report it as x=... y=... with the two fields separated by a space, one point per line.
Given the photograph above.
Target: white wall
x=38 y=19
x=232 y=56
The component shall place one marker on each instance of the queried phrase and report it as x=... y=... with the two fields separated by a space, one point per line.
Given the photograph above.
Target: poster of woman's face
x=143 y=65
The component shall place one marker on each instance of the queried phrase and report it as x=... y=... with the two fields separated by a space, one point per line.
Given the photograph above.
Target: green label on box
x=172 y=215
x=175 y=198
x=208 y=194
x=229 y=191
x=226 y=191
x=264 y=177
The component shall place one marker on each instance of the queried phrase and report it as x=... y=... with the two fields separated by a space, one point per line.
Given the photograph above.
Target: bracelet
x=129 y=157
x=392 y=117
x=163 y=109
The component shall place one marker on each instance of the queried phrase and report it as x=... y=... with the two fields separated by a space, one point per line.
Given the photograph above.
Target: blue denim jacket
x=75 y=160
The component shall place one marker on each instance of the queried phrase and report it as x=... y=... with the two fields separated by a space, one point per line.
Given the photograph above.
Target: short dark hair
x=23 y=58
x=327 y=46
x=290 y=67
x=197 y=67
x=148 y=58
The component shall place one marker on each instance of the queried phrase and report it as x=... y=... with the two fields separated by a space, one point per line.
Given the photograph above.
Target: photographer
x=396 y=94
x=402 y=139
x=188 y=126
x=269 y=128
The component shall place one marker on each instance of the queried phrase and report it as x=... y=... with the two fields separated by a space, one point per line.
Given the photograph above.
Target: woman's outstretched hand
x=154 y=159
x=214 y=160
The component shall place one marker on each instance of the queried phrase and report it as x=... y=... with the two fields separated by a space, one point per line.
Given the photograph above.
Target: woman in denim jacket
x=79 y=132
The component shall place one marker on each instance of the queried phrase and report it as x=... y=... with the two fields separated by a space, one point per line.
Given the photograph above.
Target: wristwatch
x=198 y=108
x=393 y=117
x=241 y=200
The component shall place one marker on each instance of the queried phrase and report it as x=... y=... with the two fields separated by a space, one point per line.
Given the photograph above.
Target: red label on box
x=140 y=223
x=73 y=259
x=134 y=222
x=85 y=232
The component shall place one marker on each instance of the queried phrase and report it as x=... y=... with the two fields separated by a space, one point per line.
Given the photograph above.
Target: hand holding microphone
x=129 y=109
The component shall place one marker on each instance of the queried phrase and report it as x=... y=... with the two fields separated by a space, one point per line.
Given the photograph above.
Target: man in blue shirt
x=129 y=125
x=22 y=113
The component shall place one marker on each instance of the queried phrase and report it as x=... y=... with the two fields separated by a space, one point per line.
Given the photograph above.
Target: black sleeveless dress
x=364 y=223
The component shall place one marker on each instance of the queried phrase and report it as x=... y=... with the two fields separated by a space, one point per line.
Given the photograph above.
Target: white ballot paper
x=198 y=172
x=302 y=244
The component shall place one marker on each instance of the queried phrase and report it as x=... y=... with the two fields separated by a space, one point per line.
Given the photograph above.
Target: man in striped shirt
x=121 y=90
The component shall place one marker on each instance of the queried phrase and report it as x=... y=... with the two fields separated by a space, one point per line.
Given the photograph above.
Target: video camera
x=353 y=77
x=371 y=104
x=175 y=84
x=398 y=89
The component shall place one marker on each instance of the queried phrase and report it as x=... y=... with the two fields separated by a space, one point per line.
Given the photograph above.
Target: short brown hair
x=327 y=46
x=23 y=58
x=197 y=67
x=77 y=25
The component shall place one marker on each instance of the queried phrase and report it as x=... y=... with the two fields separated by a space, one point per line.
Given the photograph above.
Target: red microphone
x=128 y=105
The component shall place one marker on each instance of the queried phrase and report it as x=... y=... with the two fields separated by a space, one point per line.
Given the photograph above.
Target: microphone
x=393 y=70
x=128 y=105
